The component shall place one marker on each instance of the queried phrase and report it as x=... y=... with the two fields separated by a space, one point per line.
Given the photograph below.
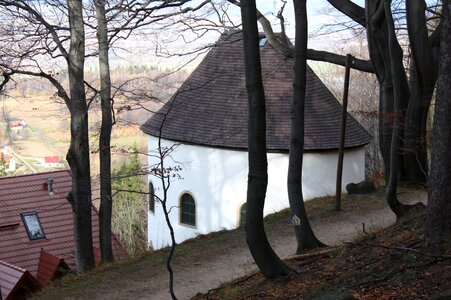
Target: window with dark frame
x=188 y=210
x=151 y=197
x=33 y=226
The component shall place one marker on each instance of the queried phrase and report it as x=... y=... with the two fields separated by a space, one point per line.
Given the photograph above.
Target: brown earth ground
x=202 y=264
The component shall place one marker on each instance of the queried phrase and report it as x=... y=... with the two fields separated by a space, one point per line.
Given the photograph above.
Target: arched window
x=151 y=197
x=243 y=215
x=188 y=210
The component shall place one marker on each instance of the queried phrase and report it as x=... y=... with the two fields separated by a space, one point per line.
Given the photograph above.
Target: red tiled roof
x=5 y=157
x=51 y=159
x=27 y=194
x=211 y=107
x=15 y=282
x=15 y=123
x=49 y=267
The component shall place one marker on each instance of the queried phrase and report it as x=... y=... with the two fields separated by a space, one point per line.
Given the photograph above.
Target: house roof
x=49 y=266
x=51 y=159
x=211 y=107
x=28 y=193
x=15 y=282
x=15 y=123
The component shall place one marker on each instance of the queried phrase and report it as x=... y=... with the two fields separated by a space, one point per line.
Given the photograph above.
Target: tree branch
x=288 y=50
x=6 y=78
x=60 y=89
x=24 y=6
x=357 y=64
x=350 y=9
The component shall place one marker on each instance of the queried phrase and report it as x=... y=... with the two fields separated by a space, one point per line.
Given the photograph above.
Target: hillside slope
x=208 y=261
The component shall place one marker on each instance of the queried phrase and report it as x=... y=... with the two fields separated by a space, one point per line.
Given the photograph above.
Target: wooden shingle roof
x=211 y=107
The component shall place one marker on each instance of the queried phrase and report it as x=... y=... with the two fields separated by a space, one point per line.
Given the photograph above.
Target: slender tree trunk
x=165 y=184
x=396 y=70
x=266 y=259
x=341 y=149
x=377 y=36
x=438 y=225
x=422 y=88
x=305 y=237
x=78 y=154
x=413 y=146
x=105 y=210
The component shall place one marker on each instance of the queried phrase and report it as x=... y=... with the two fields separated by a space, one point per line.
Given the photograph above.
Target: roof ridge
x=36 y=174
x=17 y=268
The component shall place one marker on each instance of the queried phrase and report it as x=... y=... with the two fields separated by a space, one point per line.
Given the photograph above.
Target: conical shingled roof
x=211 y=107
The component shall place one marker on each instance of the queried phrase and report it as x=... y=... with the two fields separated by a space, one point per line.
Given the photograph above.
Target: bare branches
x=124 y=17
x=60 y=89
x=284 y=38
x=277 y=41
x=6 y=79
x=32 y=15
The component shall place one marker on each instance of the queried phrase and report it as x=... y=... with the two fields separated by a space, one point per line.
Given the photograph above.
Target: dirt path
x=238 y=262
x=206 y=262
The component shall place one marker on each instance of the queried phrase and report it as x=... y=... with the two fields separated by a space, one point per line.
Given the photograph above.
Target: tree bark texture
x=105 y=210
x=413 y=165
x=396 y=71
x=78 y=154
x=438 y=225
x=266 y=259
x=305 y=237
x=341 y=149
x=422 y=88
x=383 y=62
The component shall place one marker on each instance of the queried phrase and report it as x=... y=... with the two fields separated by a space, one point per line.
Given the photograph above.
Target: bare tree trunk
x=266 y=259
x=438 y=225
x=422 y=88
x=305 y=237
x=413 y=164
x=378 y=49
x=341 y=149
x=165 y=184
x=105 y=210
x=397 y=72
x=78 y=154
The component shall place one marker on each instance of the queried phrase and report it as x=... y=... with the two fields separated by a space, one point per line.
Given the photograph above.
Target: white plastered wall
x=217 y=180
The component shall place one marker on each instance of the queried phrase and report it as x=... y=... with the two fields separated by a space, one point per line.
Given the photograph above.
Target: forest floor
x=215 y=260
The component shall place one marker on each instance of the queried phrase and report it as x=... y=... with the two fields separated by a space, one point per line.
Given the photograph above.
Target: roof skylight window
x=33 y=226
x=262 y=42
